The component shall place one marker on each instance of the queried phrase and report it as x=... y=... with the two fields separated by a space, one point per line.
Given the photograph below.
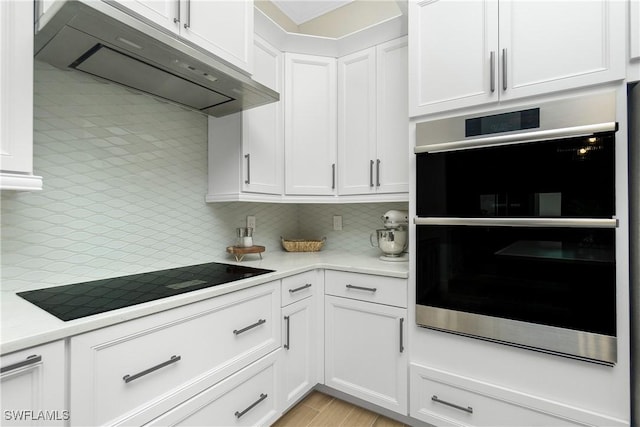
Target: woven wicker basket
x=302 y=245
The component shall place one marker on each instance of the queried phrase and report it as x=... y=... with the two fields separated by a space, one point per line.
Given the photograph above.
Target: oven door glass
x=569 y=178
x=562 y=277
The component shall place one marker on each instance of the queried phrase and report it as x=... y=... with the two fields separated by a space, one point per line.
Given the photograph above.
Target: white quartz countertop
x=25 y=325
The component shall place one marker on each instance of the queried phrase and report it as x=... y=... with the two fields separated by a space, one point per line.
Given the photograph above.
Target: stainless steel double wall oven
x=515 y=227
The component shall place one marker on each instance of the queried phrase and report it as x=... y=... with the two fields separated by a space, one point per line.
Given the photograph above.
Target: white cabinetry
x=301 y=354
x=310 y=125
x=633 y=73
x=443 y=398
x=465 y=53
x=16 y=102
x=365 y=353
x=373 y=120
x=247 y=398
x=222 y=27
x=32 y=385
x=246 y=150
x=136 y=371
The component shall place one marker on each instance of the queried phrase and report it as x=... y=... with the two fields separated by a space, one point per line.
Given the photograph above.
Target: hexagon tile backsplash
x=125 y=177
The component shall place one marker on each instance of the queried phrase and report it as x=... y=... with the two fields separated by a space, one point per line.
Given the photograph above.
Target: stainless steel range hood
x=96 y=38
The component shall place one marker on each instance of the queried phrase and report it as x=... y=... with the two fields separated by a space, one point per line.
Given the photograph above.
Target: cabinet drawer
x=247 y=398
x=133 y=367
x=367 y=287
x=443 y=399
x=300 y=286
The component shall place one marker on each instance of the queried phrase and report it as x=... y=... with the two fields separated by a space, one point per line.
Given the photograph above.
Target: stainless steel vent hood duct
x=96 y=38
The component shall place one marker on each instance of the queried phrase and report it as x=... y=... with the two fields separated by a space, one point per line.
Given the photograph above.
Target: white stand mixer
x=393 y=239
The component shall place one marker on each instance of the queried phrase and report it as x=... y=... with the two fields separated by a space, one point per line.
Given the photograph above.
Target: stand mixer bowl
x=391 y=241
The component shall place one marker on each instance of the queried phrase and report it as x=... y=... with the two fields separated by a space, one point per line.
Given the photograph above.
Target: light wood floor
x=321 y=410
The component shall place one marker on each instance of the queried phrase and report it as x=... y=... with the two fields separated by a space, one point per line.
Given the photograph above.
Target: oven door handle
x=521 y=222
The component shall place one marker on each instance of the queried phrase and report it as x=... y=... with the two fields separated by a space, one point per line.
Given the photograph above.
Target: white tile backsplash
x=125 y=177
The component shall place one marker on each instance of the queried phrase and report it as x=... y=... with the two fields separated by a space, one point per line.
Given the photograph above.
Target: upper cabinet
x=222 y=27
x=310 y=125
x=16 y=102
x=466 y=53
x=246 y=150
x=373 y=120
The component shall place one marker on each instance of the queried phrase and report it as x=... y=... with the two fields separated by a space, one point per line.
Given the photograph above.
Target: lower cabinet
x=365 y=353
x=134 y=372
x=301 y=354
x=247 y=398
x=32 y=386
x=444 y=399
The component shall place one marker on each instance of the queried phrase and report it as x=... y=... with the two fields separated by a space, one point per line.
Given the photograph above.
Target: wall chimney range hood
x=96 y=38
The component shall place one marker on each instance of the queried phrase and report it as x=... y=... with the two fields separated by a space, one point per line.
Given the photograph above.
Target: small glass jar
x=245 y=237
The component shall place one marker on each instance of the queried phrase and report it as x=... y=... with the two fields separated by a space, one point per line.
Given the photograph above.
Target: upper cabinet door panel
x=393 y=118
x=450 y=54
x=310 y=124
x=557 y=45
x=223 y=27
x=162 y=12
x=356 y=122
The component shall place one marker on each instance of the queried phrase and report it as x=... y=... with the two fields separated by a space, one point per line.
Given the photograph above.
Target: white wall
x=125 y=178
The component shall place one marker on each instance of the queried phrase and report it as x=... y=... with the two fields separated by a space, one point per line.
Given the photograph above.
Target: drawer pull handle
x=258 y=323
x=362 y=288
x=308 y=285
x=26 y=362
x=260 y=399
x=468 y=409
x=129 y=378
x=286 y=346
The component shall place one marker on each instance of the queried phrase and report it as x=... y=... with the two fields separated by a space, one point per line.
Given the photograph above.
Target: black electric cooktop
x=78 y=300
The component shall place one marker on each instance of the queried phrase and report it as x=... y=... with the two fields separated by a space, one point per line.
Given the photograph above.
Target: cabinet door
x=262 y=128
x=357 y=122
x=551 y=46
x=299 y=352
x=223 y=27
x=392 y=142
x=32 y=385
x=16 y=102
x=452 y=44
x=162 y=12
x=364 y=351
x=310 y=125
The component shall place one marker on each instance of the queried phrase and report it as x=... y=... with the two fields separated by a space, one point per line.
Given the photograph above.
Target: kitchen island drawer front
x=300 y=286
x=247 y=398
x=367 y=287
x=137 y=370
x=445 y=399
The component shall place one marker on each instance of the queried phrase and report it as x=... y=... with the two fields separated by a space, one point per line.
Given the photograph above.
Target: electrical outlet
x=251 y=222
x=337 y=222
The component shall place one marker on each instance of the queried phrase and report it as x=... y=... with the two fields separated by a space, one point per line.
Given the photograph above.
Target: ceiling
x=301 y=11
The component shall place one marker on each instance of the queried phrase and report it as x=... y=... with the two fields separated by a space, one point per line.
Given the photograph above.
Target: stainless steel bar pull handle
x=333 y=176
x=468 y=409
x=492 y=67
x=288 y=320
x=504 y=69
x=401 y=334
x=31 y=360
x=371 y=173
x=301 y=288
x=258 y=323
x=188 y=23
x=362 y=288
x=262 y=397
x=248 y=180
x=129 y=378
x=377 y=172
